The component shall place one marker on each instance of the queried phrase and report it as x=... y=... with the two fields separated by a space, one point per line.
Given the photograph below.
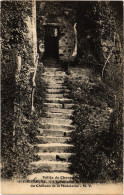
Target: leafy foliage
x=13 y=24
x=99 y=36
x=97 y=137
x=100 y=135
x=17 y=156
x=17 y=163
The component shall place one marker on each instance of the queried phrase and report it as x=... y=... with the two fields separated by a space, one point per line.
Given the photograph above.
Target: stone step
x=56 y=91
x=52 y=139
x=54 y=156
x=52 y=132
x=67 y=106
x=58 y=100
x=55 y=95
x=55 y=126
x=53 y=81
x=57 y=121
x=49 y=78
x=54 y=77
x=51 y=69
x=55 y=147
x=58 y=115
x=56 y=86
x=58 y=105
x=50 y=166
x=59 y=110
x=56 y=73
x=53 y=105
x=48 y=176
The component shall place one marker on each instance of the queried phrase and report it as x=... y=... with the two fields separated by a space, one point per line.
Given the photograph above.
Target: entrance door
x=51 y=42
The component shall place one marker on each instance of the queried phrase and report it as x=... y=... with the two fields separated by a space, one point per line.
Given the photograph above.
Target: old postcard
x=61 y=100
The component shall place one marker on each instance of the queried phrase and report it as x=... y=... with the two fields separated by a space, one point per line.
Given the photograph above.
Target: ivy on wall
x=15 y=39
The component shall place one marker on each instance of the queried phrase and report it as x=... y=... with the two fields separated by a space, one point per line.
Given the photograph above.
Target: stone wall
x=58 y=14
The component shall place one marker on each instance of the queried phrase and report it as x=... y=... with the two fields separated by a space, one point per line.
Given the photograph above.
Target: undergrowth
x=16 y=161
x=97 y=138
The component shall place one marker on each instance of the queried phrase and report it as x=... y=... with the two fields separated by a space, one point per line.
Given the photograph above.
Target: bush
x=96 y=138
x=16 y=161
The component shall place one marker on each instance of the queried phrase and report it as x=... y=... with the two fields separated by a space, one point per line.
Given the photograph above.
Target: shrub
x=96 y=138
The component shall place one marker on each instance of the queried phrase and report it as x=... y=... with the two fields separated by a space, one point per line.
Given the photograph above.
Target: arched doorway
x=51 y=42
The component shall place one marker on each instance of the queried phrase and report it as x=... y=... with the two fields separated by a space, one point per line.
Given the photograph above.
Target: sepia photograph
x=61 y=97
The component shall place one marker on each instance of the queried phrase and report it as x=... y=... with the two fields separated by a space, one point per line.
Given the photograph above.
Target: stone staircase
x=54 y=146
